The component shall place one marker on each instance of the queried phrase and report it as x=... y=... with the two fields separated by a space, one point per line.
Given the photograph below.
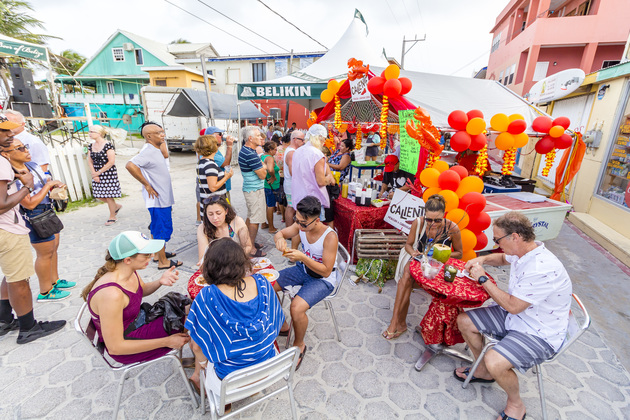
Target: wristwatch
x=30 y=190
x=482 y=279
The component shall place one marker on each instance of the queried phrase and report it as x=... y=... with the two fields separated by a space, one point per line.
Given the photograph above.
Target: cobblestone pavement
x=363 y=376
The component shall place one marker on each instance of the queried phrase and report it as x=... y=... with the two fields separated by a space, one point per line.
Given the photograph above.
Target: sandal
x=299 y=363
x=257 y=245
x=473 y=379
x=392 y=336
x=169 y=255
x=110 y=222
x=506 y=417
x=273 y=231
x=195 y=387
x=284 y=333
x=173 y=264
x=259 y=253
x=118 y=209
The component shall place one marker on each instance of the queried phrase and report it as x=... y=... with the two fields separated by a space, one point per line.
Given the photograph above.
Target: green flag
x=358 y=15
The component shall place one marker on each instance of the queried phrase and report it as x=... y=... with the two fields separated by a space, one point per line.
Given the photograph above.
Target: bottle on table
x=344 y=189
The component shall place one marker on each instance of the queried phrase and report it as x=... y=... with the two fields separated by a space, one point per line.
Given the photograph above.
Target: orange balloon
x=392 y=72
x=452 y=200
x=556 y=131
x=504 y=141
x=440 y=165
x=499 y=122
x=475 y=126
x=326 y=96
x=429 y=192
x=459 y=217
x=333 y=85
x=429 y=177
x=469 y=184
x=515 y=117
x=469 y=255
x=521 y=140
x=469 y=240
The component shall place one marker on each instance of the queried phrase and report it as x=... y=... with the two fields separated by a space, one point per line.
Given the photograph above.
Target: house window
x=119 y=54
x=608 y=63
x=212 y=73
x=110 y=88
x=541 y=70
x=139 y=57
x=259 y=72
x=501 y=77
x=495 y=43
x=160 y=82
x=511 y=70
x=584 y=8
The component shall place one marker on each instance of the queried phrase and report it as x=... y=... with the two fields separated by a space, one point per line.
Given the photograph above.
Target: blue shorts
x=312 y=291
x=33 y=236
x=161 y=226
x=270 y=197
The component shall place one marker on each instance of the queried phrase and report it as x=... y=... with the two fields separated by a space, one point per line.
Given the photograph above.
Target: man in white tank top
x=315 y=271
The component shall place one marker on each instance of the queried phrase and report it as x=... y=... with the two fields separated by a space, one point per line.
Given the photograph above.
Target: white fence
x=68 y=164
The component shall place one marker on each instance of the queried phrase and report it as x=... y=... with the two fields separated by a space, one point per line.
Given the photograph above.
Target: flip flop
x=258 y=254
x=173 y=264
x=110 y=222
x=299 y=363
x=506 y=417
x=168 y=255
x=195 y=387
x=188 y=362
x=284 y=333
x=273 y=231
x=118 y=209
x=473 y=379
x=392 y=336
x=257 y=245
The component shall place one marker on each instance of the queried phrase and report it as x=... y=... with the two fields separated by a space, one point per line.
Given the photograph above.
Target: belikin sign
x=556 y=86
x=280 y=91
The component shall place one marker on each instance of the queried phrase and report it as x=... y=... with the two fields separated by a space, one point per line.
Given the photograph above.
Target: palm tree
x=180 y=41
x=68 y=62
x=16 y=23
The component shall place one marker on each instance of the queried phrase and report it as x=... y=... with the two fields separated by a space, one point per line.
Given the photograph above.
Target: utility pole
x=414 y=41
x=207 y=86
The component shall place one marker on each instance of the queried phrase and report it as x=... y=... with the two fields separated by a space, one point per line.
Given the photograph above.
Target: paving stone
x=427 y=378
x=391 y=368
x=415 y=416
x=614 y=374
x=157 y=373
x=581 y=349
x=309 y=393
x=561 y=374
x=597 y=406
x=26 y=353
x=440 y=406
x=380 y=302
x=605 y=389
x=329 y=350
x=407 y=352
x=454 y=388
x=368 y=385
x=579 y=415
x=359 y=359
x=370 y=326
x=478 y=412
x=345 y=319
x=90 y=382
x=9 y=375
x=573 y=363
x=141 y=404
x=45 y=362
x=556 y=394
x=492 y=396
x=342 y=405
x=75 y=409
x=378 y=410
x=378 y=346
x=336 y=375
x=40 y=404
x=277 y=408
x=21 y=389
x=404 y=396
x=175 y=409
x=324 y=332
x=66 y=371
x=350 y=337
x=362 y=310
x=313 y=415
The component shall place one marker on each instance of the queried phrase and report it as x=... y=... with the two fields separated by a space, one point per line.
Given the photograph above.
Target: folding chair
x=343 y=263
x=90 y=335
x=574 y=331
x=246 y=382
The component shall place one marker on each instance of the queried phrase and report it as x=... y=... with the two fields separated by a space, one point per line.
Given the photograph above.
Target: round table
x=194 y=288
x=439 y=325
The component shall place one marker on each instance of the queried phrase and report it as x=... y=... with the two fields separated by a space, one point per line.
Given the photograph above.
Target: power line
x=395 y=18
x=243 y=26
x=468 y=64
x=408 y=16
x=214 y=26
x=283 y=18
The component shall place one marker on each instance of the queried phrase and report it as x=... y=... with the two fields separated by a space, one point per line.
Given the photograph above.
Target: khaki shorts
x=16 y=259
x=256 y=206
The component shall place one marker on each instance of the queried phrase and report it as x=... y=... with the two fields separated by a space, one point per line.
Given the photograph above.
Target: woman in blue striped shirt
x=234 y=322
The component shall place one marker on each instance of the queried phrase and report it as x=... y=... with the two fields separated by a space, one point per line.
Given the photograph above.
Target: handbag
x=46 y=224
x=334 y=191
x=404 y=256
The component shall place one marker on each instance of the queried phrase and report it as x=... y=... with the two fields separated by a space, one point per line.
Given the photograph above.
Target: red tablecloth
x=349 y=217
x=194 y=288
x=439 y=325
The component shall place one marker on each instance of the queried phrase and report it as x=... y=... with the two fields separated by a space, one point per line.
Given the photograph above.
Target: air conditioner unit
x=128 y=46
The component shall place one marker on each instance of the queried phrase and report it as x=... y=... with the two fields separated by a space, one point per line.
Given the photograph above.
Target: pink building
x=534 y=39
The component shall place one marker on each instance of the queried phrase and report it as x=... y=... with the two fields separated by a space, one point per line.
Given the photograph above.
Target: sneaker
x=41 y=329
x=64 y=284
x=6 y=327
x=54 y=295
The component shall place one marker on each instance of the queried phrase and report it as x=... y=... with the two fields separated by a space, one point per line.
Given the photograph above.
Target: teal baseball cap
x=130 y=243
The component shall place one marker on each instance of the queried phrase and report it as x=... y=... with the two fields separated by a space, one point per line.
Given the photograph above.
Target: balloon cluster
x=464 y=203
x=425 y=133
x=511 y=137
x=470 y=128
x=390 y=85
x=330 y=94
x=556 y=138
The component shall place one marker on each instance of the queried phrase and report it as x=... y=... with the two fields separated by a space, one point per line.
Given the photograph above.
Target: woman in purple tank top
x=115 y=295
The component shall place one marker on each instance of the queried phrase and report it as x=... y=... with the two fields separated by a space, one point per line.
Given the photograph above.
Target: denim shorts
x=312 y=291
x=33 y=236
x=161 y=223
x=270 y=197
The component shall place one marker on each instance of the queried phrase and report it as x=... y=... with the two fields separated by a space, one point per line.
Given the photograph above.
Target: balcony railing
x=101 y=98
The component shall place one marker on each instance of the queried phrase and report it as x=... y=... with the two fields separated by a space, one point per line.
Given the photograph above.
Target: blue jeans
x=33 y=236
x=313 y=290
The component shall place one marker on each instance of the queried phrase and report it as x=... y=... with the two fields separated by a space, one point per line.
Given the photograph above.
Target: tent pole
x=286 y=116
x=207 y=87
x=238 y=131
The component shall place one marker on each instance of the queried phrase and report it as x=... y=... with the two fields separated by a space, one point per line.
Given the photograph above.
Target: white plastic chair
x=90 y=335
x=343 y=263
x=574 y=331
x=246 y=382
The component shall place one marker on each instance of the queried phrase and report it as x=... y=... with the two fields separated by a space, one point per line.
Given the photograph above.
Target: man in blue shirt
x=254 y=174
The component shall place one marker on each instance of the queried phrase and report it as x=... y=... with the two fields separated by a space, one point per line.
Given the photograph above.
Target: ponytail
x=108 y=267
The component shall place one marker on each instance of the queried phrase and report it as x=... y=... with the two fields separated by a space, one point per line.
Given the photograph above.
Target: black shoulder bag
x=47 y=223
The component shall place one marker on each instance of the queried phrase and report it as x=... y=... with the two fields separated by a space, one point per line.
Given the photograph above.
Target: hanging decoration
x=549 y=159
x=312 y=117
x=384 y=113
x=511 y=136
x=337 y=113
x=358 y=138
x=556 y=138
x=330 y=140
x=509 y=159
x=481 y=165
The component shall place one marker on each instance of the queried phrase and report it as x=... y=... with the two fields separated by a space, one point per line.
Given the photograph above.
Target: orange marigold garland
x=359 y=137
x=481 y=165
x=509 y=159
x=330 y=141
x=311 y=119
x=433 y=157
x=337 y=112
x=384 y=114
x=549 y=159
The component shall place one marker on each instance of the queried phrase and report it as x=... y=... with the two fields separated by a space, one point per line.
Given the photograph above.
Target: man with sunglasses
x=530 y=319
x=16 y=260
x=39 y=151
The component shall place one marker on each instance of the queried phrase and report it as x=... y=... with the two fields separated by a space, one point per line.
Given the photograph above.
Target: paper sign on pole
x=403 y=210
x=359 y=89
x=409 y=147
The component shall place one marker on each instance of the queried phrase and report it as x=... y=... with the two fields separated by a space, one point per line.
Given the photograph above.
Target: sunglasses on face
x=433 y=220
x=496 y=241
x=211 y=200
x=304 y=224
x=22 y=149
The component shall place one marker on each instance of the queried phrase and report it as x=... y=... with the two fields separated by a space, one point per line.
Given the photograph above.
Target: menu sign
x=359 y=89
x=409 y=147
x=403 y=210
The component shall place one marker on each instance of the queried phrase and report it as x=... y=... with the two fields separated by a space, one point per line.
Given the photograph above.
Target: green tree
x=180 y=41
x=68 y=62
x=16 y=22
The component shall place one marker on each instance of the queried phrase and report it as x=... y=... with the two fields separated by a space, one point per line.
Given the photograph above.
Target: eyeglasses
x=22 y=149
x=211 y=200
x=303 y=224
x=496 y=241
x=433 y=220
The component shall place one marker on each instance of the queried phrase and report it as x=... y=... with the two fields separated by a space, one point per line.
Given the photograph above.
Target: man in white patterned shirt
x=531 y=318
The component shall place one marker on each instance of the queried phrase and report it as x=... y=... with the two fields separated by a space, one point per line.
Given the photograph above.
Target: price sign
x=409 y=147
